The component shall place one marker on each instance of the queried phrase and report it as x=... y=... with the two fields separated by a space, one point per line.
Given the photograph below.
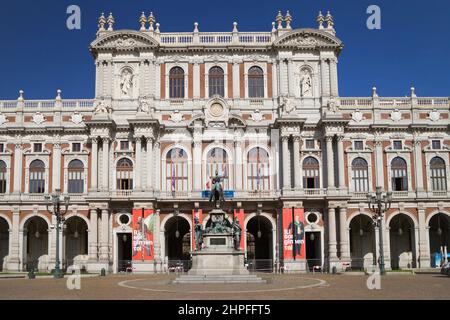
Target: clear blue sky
x=40 y=55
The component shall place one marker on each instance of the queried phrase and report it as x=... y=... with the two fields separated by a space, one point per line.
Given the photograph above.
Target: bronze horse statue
x=216 y=190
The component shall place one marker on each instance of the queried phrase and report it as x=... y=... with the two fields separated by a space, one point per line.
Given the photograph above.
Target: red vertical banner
x=143 y=225
x=294 y=234
x=239 y=214
x=195 y=214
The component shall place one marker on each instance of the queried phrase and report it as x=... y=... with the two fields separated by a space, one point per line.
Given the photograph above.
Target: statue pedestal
x=218 y=257
x=218 y=261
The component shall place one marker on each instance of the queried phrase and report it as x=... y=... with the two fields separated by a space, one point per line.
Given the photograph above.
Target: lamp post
x=54 y=202
x=379 y=204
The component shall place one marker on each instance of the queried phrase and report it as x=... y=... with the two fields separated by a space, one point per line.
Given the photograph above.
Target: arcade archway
x=259 y=244
x=4 y=241
x=362 y=242
x=402 y=242
x=177 y=242
x=35 y=246
x=439 y=231
x=76 y=241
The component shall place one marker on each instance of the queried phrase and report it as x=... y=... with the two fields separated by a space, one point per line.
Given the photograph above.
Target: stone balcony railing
x=392 y=103
x=214 y=39
x=42 y=105
x=127 y=195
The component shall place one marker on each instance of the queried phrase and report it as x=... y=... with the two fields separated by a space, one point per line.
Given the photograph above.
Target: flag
x=208 y=184
x=258 y=179
x=173 y=178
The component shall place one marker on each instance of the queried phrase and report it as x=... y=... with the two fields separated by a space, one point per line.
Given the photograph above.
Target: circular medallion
x=216 y=109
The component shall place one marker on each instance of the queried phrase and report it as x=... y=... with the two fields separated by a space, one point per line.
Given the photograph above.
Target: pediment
x=124 y=40
x=308 y=39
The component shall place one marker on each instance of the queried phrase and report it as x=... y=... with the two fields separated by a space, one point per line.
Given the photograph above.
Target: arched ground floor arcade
x=331 y=234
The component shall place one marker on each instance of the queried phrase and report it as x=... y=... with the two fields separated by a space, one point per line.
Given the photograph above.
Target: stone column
x=379 y=164
x=341 y=162
x=94 y=165
x=330 y=163
x=291 y=78
x=138 y=169
x=285 y=152
x=418 y=165
x=344 y=236
x=238 y=165
x=297 y=170
x=197 y=165
x=332 y=243
x=424 y=248
x=196 y=77
x=156 y=242
x=157 y=174
x=334 y=78
x=325 y=80
x=18 y=167
x=13 y=263
x=236 y=80
x=56 y=177
x=93 y=235
x=104 y=241
x=105 y=160
x=149 y=163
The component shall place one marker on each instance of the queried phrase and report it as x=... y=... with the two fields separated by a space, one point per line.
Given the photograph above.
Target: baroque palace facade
x=260 y=108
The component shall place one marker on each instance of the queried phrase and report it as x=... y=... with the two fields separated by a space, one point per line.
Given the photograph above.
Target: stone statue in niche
x=126 y=82
x=306 y=83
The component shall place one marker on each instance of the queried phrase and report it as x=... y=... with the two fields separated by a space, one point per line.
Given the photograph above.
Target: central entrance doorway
x=124 y=251
x=313 y=249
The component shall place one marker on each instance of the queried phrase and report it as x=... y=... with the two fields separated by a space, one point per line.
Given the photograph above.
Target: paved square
x=154 y=287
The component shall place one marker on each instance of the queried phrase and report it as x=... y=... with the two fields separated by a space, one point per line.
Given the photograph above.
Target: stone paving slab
x=286 y=287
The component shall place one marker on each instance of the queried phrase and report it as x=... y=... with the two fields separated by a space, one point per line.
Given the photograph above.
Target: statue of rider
x=216 y=186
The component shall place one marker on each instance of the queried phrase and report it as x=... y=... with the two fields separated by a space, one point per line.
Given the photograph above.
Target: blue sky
x=40 y=55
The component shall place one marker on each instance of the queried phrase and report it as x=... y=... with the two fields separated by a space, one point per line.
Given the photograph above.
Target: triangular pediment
x=123 y=40
x=308 y=39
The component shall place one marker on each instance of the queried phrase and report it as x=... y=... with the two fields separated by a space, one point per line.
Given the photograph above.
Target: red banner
x=240 y=215
x=294 y=234
x=143 y=224
x=195 y=214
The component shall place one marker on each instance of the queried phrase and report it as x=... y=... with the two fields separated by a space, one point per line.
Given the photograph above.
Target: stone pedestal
x=218 y=257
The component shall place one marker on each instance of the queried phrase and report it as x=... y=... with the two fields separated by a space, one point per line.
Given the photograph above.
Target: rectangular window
x=124 y=145
x=2 y=148
x=436 y=144
x=309 y=144
x=76 y=147
x=37 y=147
x=359 y=145
x=398 y=145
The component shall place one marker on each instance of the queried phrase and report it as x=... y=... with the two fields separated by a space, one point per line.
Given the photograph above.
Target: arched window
x=255 y=82
x=311 y=177
x=176 y=83
x=37 y=177
x=438 y=174
x=2 y=177
x=399 y=174
x=124 y=174
x=258 y=176
x=75 y=172
x=216 y=82
x=217 y=160
x=177 y=170
x=360 y=175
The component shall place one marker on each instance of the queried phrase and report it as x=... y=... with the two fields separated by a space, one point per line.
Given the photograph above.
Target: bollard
x=31 y=274
x=103 y=272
